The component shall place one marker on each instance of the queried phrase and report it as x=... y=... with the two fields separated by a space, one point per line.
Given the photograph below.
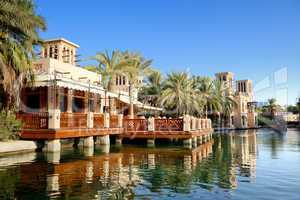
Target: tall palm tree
x=136 y=67
x=178 y=94
x=272 y=107
x=19 y=28
x=108 y=65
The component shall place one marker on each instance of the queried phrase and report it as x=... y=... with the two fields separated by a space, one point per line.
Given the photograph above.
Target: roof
x=62 y=39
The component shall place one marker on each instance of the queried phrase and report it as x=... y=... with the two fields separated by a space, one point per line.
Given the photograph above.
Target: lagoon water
x=253 y=164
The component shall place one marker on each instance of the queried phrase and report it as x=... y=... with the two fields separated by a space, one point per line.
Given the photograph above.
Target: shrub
x=9 y=126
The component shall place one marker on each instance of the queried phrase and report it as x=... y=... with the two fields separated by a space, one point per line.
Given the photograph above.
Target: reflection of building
x=244 y=115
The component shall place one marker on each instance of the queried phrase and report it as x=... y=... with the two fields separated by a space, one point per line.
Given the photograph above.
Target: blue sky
x=254 y=39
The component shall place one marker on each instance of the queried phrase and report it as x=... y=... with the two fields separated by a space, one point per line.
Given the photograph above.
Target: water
x=240 y=165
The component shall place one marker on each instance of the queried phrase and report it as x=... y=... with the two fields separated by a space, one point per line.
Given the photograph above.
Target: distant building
x=244 y=115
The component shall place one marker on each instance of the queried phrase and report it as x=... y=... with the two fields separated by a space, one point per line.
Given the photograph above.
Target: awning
x=47 y=81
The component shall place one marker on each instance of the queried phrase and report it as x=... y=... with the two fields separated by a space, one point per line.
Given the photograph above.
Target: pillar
x=203 y=123
x=199 y=140
x=54 y=119
x=88 y=151
x=194 y=141
x=53 y=157
x=106 y=120
x=104 y=140
x=88 y=141
x=187 y=143
x=90 y=120
x=151 y=125
x=53 y=145
x=120 y=120
x=150 y=142
x=193 y=123
x=186 y=123
x=70 y=101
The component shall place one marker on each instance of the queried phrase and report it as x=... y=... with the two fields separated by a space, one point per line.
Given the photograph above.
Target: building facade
x=243 y=115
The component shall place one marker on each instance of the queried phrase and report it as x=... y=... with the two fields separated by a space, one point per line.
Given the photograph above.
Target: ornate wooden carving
x=113 y=123
x=135 y=125
x=33 y=120
x=98 y=121
x=168 y=124
x=73 y=120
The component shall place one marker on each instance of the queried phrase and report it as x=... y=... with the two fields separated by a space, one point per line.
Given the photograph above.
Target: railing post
x=186 y=123
x=203 y=123
x=198 y=124
x=193 y=123
x=54 y=119
x=90 y=120
x=106 y=120
x=120 y=120
x=151 y=124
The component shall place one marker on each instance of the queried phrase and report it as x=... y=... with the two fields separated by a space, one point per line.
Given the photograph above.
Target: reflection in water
x=225 y=163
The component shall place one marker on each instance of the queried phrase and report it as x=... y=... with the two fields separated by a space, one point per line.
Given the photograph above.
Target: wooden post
x=70 y=101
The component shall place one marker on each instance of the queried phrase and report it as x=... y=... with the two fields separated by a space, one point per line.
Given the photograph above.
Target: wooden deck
x=36 y=126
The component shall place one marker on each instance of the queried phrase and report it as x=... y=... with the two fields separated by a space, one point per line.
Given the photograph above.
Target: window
x=55 y=52
x=51 y=52
x=117 y=80
x=124 y=80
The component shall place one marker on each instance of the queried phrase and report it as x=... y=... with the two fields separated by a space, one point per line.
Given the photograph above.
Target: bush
x=9 y=126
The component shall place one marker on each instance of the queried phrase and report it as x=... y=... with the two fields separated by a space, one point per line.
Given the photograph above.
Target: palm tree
x=206 y=90
x=136 y=67
x=19 y=27
x=152 y=90
x=178 y=94
x=108 y=65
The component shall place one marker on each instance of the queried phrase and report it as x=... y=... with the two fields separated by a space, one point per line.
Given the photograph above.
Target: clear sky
x=255 y=39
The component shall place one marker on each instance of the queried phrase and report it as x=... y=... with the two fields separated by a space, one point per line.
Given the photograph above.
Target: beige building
x=244 y=115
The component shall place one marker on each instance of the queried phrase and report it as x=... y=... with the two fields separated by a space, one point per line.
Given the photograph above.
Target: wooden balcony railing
x=113 y=121
x=98 y=121
x=33 y=120
x=135 y=125
x=168 y=124
x=73 y=120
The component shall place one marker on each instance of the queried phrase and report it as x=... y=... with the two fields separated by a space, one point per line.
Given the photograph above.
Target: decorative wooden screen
x=33 y=120
x=73 y=120
x=135 y=125
x=168 y=124
x=98 y=121
x=113 y=121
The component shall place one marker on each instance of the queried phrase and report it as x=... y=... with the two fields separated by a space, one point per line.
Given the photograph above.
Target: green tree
x=178 y=94
x=19 y=28
x=136 y=68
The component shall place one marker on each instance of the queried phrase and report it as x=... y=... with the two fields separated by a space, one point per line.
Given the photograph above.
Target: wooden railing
x=33 y=120
x=73 y=120
x=168 y=124
x=98 y=121
x=135 y=125
x=113 y=121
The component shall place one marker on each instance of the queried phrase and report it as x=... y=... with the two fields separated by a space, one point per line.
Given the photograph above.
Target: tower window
x=124 y=80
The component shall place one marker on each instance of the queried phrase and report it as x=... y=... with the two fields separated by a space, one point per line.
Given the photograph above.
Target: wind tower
x=227 y=79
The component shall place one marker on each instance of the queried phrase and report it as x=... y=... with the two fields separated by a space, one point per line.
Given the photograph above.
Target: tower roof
x=63 y=40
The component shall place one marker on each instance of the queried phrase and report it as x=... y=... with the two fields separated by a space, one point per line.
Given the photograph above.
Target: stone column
x=151 y=125
x=90 y=120
x=194 y=141
x=88 y=151
x=187 y=143
x=88 y=141
x=104 y=140
x=199 y=140
x=70 y=101
x=186 y=123
x=54 y=119
x=106 y=120
x=53 y=145
x=53 y=157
